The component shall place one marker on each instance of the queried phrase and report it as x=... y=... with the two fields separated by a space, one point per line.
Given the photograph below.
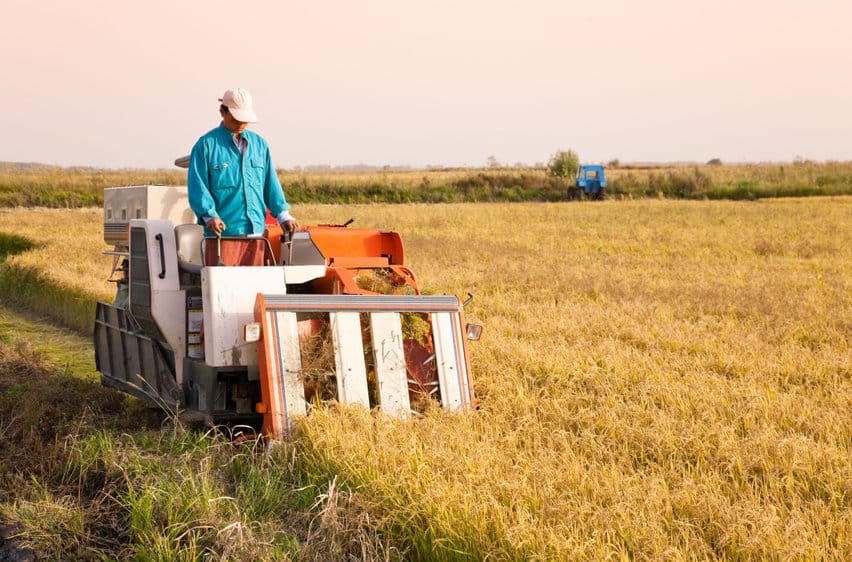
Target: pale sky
x=393 y=82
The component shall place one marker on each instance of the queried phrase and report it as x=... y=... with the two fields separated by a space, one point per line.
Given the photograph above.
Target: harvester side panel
x=280 y=384
x=157 y=303
x=140 y=283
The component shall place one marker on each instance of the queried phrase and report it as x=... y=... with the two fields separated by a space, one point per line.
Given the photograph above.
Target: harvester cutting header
x=332 y=314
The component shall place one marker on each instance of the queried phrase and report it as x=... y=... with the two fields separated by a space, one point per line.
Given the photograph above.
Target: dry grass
x=735 y=181
x=657 y=380
x=67 y=246
x=63 y=272
x=805 y=172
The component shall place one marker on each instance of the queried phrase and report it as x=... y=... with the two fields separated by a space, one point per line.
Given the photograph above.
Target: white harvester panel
x=122 y=204
x=280 y=356
x=229 y=294
x=349 y=358
x=448 y=334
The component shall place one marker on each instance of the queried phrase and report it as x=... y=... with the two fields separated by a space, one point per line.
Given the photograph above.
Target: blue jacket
x=236 y=188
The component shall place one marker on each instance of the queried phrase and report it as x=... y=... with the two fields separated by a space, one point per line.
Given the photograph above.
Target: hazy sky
x=134 y=84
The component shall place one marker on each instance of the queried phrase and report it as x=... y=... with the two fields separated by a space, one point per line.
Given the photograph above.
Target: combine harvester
x=333 y=315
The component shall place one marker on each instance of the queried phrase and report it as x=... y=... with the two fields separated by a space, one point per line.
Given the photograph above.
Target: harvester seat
x=188 y=238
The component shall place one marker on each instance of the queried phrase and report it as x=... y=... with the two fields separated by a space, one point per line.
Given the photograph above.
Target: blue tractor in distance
x=590 y=182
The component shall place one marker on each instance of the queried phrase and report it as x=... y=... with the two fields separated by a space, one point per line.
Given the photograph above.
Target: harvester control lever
x=287 y=240
x=219 y=247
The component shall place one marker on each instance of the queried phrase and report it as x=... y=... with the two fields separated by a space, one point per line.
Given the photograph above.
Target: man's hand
x=216 y=226
x=287 y=222
x=288 y=226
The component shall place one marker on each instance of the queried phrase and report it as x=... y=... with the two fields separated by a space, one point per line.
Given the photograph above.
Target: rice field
x=657 y=380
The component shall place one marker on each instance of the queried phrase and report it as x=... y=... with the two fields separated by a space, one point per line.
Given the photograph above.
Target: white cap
x=238 y=102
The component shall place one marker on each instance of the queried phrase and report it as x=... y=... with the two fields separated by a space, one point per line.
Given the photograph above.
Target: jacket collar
x=226 y=134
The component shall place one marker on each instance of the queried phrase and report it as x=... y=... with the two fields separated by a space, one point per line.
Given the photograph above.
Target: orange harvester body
x=349 y=253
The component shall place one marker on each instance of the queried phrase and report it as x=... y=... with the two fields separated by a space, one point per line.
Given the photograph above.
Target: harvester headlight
x=252 y=332
x=473 y=331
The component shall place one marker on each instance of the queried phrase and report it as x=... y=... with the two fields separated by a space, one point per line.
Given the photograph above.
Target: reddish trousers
x=240 y=251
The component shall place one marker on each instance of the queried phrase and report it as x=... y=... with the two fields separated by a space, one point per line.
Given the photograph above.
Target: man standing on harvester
x=231 y=183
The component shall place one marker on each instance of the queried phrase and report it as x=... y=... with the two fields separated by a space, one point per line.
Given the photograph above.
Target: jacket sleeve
x=273 y=193
x=197 y=183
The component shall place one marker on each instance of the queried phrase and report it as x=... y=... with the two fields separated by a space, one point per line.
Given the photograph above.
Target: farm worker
x=231 y=182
